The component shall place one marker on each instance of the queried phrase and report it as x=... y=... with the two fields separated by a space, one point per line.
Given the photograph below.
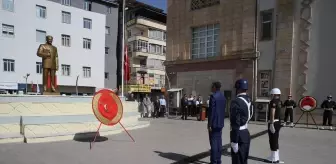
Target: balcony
x=151 y=40
x=143 y=52
x=143 y=22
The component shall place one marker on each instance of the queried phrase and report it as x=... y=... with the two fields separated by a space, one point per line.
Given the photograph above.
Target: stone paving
x=173 y=141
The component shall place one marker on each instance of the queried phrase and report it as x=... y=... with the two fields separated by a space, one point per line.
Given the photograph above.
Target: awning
x=8 y=86
x=175 y=89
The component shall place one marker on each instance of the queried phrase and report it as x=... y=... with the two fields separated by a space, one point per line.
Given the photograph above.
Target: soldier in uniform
x=216 y=122
x=240 y=114
x=328 y=106
x=289 y=105
x=274 y=125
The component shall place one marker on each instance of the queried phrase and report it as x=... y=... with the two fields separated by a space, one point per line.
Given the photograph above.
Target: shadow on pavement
x=88 y=137
x=181 y=159
x=177 y=157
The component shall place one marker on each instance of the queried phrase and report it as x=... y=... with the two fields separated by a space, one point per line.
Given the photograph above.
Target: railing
x=149 y=37
x=146 y=50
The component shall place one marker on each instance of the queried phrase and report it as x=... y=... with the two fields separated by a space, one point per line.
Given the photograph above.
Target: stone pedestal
x=50 y=93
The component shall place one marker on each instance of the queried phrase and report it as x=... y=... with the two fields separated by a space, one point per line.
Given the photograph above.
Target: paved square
x=172 y=141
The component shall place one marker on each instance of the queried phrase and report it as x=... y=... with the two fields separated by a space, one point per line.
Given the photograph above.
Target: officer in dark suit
x=240 y=114
x=184 y=107
x=290 y=105
x=328 y=106
x=274 y=125
x=216 y=122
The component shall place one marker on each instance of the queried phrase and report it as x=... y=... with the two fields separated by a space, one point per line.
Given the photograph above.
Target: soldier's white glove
x=234 y=147
x=271 y=128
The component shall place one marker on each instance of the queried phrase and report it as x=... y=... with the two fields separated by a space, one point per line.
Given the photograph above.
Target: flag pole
x=123 y=49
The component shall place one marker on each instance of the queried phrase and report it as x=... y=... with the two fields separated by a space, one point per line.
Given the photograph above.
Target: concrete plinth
x=40 y=118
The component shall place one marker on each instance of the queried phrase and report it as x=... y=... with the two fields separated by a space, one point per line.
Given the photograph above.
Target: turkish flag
x=126 y=66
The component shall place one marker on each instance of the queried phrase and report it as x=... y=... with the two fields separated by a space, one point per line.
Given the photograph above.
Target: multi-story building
x=146 y=41
x=216 y=40
x=79 y=36
x=110 y=9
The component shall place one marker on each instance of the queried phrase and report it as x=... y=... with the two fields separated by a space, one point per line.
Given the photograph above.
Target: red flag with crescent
x=126 y=66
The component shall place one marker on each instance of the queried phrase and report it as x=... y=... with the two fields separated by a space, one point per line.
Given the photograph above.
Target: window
x=86 y=43
x=7 y=30
x=66 y=40
x=152 y=48
x=8 y=5
x=41 y=11
x=66 y=17
x=106 y=75
x=164 y=50
x=162 y=80
x=106 y=50
x=141 y=45
x=87 y=5
x=164 y=36
x=66 y=2
x=87 y=72
x=266 y=25
x=39 y=67
x=199 y=4
x=8 y=65
x=264 y=83
x=158 y=49
x=156 y=34
x=109 y=10
x=143 y=62
x=129 y=33
x=107 y=30
x=65 y=70
x=87 y=23
x=41 y=36
x=157 y=80
x=205 y=41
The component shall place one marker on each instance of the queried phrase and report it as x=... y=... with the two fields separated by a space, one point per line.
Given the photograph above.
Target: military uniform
x=275 y=126
x=328 y=106
x=241 y=113
x=289 y=105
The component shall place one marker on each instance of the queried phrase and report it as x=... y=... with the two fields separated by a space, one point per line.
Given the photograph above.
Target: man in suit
x=216 y=122
x=184 y=107
x=240 y=114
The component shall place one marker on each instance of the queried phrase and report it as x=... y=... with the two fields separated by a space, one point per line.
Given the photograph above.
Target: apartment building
x=146 y=41
x=215 y=41
x=110 y=9
x=78 y=34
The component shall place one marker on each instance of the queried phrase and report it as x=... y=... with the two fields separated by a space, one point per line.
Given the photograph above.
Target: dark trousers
x=241 y=157
x=327 y=116
x=189 y=109
x=184 y=113
x=289 y=113
x=274 y=137
x=215 y=137
x=156 y=112
x=162 y=110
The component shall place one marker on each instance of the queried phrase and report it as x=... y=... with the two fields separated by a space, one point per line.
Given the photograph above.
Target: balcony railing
x=149 y=37
x=146 y=50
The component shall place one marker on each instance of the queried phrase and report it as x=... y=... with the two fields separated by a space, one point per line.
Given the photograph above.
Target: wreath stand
x=305 y=102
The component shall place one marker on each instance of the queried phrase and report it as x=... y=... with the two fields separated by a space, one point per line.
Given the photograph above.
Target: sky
x=162 y=4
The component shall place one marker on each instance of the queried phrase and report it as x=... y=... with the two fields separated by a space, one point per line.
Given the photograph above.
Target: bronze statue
x=49 y=56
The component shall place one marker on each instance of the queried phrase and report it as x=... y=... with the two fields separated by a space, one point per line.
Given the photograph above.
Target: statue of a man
x=49 y=56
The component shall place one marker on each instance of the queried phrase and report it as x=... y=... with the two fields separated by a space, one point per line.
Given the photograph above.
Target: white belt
x=276 y=120
x=289 y=106
x=329 y=109
x=249 y=114
x=243 y=127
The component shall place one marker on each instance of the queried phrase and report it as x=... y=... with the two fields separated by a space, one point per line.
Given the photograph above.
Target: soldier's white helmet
x=275 y=91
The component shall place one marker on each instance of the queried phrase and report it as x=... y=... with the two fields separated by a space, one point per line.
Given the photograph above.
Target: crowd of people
x=191 y=106
x=150 y=107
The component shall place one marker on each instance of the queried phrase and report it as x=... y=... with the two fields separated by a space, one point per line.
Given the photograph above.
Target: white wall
x=22 y=48
x=322 y=55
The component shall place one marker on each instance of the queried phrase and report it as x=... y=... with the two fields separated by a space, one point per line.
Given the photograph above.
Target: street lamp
x=26 y=77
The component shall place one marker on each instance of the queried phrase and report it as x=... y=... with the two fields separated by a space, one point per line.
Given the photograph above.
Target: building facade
x=79 y=36
x=110 y=9
x=294 y=40
x=146 y=41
